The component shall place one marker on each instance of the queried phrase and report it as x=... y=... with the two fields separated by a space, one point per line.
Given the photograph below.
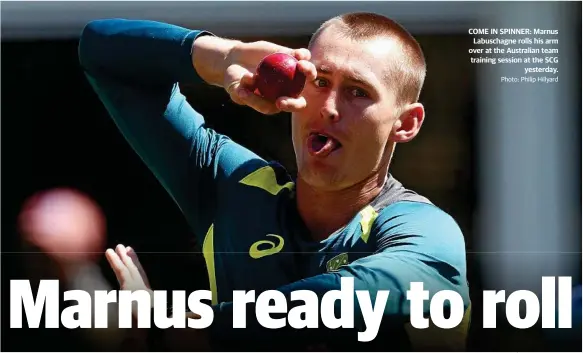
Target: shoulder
x=402 y=211
x=423 y=229
x=425 y=237
x=416 y=216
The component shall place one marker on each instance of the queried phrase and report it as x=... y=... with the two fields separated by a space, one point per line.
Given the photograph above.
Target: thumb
x=241 y=89
x=238 y=78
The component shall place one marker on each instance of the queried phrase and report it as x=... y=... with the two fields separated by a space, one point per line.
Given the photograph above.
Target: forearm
x=135 y=51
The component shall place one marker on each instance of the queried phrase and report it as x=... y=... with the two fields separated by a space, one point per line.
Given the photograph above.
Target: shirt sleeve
x=135 y=67
x=415 y=243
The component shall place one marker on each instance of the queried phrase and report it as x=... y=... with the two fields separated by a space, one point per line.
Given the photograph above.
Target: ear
x=408 y=124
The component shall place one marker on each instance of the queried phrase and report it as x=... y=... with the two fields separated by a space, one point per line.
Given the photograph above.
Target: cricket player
x=344 y=215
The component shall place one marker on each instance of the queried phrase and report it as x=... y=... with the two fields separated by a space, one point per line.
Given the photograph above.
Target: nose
x=330 y=108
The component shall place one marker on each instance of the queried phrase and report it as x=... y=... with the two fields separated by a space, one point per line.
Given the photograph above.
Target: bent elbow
x=92 y=44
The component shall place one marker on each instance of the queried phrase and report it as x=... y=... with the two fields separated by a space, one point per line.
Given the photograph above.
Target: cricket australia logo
x=334 y=263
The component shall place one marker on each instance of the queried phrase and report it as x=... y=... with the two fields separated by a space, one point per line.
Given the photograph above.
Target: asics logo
x=273 y=248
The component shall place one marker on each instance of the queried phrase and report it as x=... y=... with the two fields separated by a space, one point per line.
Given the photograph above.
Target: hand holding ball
x=278 y=76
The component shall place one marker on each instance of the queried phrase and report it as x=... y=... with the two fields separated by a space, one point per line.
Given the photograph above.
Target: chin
x=321 y=178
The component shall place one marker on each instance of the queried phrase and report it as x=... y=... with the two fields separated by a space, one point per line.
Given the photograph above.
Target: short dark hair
x=410 y=71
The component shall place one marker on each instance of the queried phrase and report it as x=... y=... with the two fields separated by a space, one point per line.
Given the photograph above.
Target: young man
x=343 y=216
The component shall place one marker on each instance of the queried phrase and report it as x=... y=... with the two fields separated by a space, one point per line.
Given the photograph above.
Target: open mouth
x=321 y=145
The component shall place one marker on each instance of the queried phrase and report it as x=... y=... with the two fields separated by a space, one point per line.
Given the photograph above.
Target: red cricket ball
x=278 y=76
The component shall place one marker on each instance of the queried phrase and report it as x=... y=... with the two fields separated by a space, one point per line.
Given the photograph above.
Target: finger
x=120 y=250
x=288 y=104
x=244 y=96
x=132 y=254
x=131 y=270
x=302 y=54
x=127 y=261
x=261 y=104
x=259 y=48
x=308 y=69
x=121 y=272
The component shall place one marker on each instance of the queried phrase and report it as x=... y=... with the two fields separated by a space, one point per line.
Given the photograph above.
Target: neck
x=325 y=211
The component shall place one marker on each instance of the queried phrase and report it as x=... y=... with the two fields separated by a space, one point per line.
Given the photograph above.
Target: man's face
x=342 y=137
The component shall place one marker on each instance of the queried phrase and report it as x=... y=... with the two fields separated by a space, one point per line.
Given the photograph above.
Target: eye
x=320 y=82
x=358 y=92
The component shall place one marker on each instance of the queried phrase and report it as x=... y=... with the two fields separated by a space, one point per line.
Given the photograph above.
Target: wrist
x=209 y=58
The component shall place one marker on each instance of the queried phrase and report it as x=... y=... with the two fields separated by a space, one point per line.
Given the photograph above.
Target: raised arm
x=135 y=68
x=139 y=52
x=416 y=243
